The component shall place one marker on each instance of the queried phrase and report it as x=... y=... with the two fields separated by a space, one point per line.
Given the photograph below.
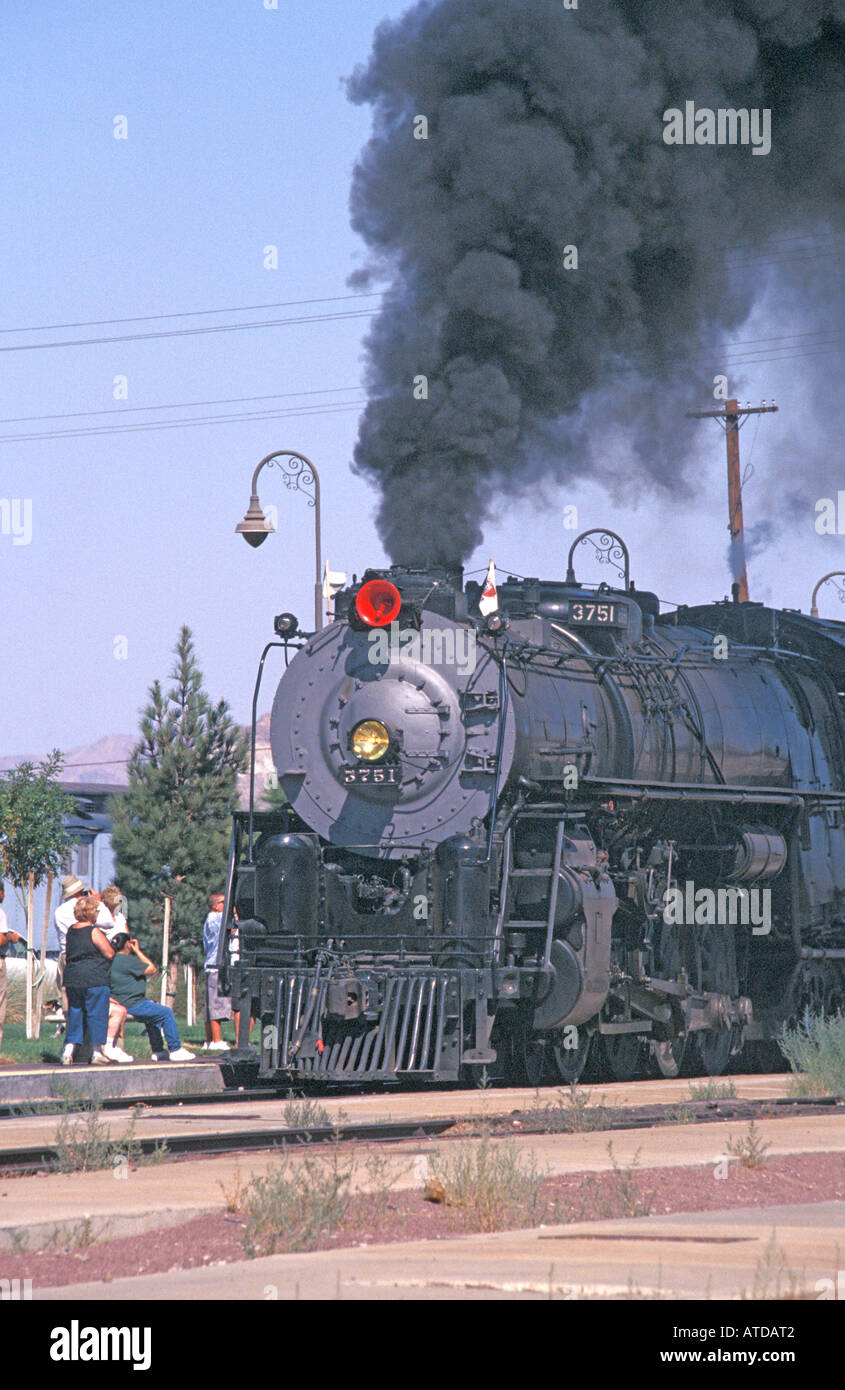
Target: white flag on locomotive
x=489 y=601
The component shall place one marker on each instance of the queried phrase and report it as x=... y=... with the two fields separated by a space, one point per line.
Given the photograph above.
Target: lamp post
x=299 y=475
x=834 y=574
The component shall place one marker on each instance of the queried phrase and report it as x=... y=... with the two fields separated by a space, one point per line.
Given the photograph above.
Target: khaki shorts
x=217 y=1006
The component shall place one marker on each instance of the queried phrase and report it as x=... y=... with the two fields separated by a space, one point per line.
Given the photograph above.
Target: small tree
x=171 y=827
x=274 y=799
x=33 y=842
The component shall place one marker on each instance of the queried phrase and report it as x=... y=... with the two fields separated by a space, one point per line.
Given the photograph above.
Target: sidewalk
x=777 y=1253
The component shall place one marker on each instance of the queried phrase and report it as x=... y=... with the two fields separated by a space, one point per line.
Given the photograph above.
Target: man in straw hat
x=63 y=918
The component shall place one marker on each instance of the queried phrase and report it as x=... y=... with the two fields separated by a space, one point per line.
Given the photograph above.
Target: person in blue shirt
x=217 y=1006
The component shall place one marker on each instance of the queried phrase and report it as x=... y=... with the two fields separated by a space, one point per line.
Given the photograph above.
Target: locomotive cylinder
x=760 y=855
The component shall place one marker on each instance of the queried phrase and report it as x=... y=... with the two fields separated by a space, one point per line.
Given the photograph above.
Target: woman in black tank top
x=88 y=960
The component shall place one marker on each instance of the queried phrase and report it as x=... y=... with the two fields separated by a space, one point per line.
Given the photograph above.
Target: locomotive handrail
x=256 y=689
x=504 y=701
x=526 y=651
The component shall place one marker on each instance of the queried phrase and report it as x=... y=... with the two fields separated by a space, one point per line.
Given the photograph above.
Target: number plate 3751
x=371 y=776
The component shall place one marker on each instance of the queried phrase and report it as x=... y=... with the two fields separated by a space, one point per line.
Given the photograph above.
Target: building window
x=82 y=854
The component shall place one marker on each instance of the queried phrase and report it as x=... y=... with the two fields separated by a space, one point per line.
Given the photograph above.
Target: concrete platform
x=34 y=1083
x=37 y=1208
x=773 y=1254
x=28 y=1082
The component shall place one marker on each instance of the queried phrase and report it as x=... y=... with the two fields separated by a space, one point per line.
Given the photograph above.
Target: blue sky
x=239 y=136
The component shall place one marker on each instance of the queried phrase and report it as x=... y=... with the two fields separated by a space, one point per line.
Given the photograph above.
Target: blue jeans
x=91 y=1007
x=155 y=1017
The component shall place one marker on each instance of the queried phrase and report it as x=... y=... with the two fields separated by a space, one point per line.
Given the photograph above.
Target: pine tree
x=171 y=827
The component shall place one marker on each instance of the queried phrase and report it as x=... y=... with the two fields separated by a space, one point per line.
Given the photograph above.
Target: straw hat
x=71 y=886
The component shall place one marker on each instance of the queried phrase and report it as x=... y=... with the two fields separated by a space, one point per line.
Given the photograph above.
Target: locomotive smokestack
x=552 y=262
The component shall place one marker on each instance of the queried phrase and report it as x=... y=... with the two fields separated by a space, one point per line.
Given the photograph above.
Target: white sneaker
x=99 y=1055
x=182 y=1055
x=219 y=1046
x=116 y=1054
x=67 y=1054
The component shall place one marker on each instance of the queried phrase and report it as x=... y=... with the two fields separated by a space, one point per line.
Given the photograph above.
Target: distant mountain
x=106 y=762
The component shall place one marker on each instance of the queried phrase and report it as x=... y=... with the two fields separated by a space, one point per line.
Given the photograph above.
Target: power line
x=190 y=332
x=175 y=405
x=782 y=338
x=142 y=427
x=190 y=313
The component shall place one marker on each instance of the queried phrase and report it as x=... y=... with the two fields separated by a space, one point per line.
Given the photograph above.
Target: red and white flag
x=489 y=601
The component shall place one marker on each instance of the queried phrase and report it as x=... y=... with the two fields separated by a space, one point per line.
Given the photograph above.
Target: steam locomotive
x=575 y=832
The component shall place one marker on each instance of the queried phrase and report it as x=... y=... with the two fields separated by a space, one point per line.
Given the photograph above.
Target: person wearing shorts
x=217 y=1006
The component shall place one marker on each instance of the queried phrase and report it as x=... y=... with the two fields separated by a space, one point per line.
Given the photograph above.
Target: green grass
x=48 y=1048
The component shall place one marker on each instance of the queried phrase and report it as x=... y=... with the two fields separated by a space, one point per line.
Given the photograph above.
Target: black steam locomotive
x=577 y=830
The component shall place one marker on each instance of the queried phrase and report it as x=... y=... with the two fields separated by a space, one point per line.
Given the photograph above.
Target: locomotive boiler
x=576 y=832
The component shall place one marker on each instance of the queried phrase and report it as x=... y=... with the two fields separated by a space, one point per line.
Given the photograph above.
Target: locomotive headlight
x=370 y=740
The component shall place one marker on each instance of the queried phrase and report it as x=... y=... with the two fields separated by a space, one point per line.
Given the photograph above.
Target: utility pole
x=734 y=417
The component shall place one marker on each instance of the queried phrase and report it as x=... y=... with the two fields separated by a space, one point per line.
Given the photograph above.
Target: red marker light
x=378 y=602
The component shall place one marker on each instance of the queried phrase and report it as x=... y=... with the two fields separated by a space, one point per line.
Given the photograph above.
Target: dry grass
x=491 y=1184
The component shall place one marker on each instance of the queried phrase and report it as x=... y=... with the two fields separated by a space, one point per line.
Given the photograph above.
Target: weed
x=815 y=1051
x=307 y=1113
x=380 y=1177
x=570 y=1113
x=492 y=1185
x=712 y=1089
x=296 y=1204
x=235 y=1193
x=773 y=1279
x=20 y=1240
x=750 y=1150
x=680 y=1114
x=187 y=1086
x=85 y=1143
x=81 y=1236
x=624 y=1197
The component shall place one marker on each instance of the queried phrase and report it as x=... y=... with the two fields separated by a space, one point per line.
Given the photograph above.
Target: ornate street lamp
x=834 y=574
x=299 y=475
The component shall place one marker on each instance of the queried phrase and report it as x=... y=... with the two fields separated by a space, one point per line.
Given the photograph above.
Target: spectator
x=217 y=1006
x=88 y=959
x=7 y=938
x=113 y=923
x=130 y=971
x=63 y=918
x=112 y=899
x=105 y=919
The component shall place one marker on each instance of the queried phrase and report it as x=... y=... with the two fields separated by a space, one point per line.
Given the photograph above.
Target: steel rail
x=36 y=1157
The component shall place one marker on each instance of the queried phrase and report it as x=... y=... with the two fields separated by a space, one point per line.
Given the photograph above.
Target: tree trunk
x=190 y=996
x=39 y=993
x=171 y=981
x=30 y=912
x=165 y=950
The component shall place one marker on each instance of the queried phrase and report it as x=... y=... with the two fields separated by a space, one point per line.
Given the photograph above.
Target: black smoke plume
x=545 y=129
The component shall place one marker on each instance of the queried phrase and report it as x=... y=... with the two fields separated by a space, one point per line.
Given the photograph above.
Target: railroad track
x=15 y=1109
x=37 y=1157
